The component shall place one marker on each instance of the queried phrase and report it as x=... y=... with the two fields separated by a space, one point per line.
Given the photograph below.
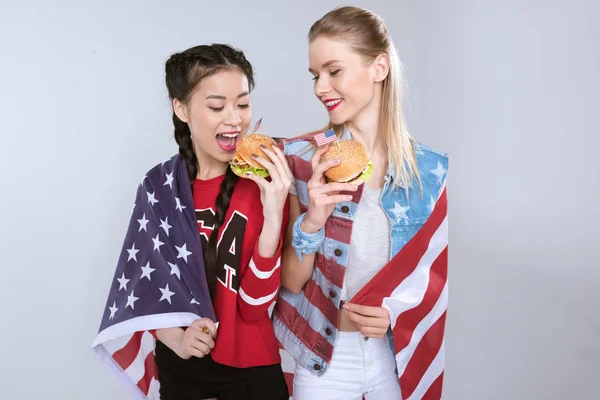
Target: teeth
x=333 y=102
x=228 y=135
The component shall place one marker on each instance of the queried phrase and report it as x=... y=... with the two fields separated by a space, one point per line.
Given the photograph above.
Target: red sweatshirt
x=247 y=283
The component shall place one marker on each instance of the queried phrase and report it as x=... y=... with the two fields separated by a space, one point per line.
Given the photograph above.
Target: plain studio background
x=508 y=89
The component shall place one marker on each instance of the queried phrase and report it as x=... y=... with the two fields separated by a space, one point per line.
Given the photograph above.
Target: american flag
x=159 y=280
x=322 y=138
x=413 y=287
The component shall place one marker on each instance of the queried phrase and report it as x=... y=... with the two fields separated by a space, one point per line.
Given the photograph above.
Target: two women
x=340 y=238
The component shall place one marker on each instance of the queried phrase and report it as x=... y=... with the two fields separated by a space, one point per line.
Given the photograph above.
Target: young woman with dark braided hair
x=241 y=223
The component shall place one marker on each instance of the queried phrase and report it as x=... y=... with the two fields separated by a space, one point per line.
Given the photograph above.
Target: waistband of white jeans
x=349 y=335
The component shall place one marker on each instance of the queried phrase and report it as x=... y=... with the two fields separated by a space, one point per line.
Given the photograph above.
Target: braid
x=183 y=72
x=222 y=204
x=183 y=137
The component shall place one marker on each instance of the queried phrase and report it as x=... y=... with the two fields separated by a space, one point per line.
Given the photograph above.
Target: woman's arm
x=303 y=239
x=260 y=282
x=295 y=273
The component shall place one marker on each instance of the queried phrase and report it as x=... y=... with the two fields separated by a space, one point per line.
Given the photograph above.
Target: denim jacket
x=306 y=323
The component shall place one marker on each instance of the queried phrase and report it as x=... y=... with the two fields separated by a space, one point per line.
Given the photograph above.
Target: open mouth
x=228 y=141
x=332 y=104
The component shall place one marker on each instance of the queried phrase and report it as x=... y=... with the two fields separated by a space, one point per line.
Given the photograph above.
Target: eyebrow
x=214 y=96
x=327 y=64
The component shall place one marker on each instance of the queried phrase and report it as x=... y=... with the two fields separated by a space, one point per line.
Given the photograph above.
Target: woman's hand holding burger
x=346 y=165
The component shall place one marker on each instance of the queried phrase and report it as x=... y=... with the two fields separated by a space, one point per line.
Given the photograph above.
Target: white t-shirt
x=369 y=245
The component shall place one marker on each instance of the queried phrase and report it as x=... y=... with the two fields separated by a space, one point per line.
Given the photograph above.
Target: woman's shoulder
x=432 y=165
x=428 y=157
x=166 y=170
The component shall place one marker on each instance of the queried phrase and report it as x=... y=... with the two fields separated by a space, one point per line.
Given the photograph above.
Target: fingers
x=198 y=349
x=277 y=161
x=319 y=171
x=260 y=181
x=201 y=346
x=373 y=332
x=364 y=321
x=197 y=335
x=281 y=176
x=206 y=323
x=316 y=158
x=333 y=187
x=273 y=172
x=331 y=199
x=328 y=194
x=284 y=163
x=356 y=318
x=379 y=312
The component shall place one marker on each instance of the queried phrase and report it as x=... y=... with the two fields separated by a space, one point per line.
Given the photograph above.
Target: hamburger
x=356 y=166
x=243 y=162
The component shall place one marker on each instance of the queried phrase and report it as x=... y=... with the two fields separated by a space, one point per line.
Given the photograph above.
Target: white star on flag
x=166 y=294
x=146 y=271
x=113 y=310
x=132 y=253
x=165 y=225
x=183 y=252
x=157 y=242
x=143 y=222
x=179 y=206
x=151 y=199
x=440 y=171
x=123 y=282
x=169 y=180
x=175 y=270
x=399 y=211
x=131 y=299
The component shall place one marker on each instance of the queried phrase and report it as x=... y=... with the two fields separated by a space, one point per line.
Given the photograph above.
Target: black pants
x=203 y=378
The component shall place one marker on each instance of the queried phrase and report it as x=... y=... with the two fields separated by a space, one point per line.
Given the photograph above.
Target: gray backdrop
x=508 y=88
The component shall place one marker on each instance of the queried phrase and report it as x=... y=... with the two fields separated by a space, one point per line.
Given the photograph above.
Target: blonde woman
x=341 y=237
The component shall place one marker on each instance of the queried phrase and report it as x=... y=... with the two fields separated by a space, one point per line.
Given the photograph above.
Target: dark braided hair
x=183 y=72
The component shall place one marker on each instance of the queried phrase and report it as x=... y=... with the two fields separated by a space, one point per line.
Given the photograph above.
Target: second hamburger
x=356 y=166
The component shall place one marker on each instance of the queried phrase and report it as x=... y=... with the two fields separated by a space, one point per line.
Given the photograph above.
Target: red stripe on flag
x=408 y=320
x=435 y=390
x=149 y=373
x=390 y=277
x=331 y=269
x=311 y=338
x=289 y=380
x=424 y=354
x=339 y=229
x=302 y=169
x=127 y=354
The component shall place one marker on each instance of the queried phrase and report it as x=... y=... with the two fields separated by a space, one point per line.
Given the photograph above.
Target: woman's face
x=344 y=80
x=218 y=114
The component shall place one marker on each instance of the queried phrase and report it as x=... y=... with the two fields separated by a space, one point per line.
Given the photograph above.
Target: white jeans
x=357 y=368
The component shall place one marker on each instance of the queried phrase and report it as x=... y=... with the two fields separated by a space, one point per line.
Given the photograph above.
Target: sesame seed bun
x=355 y=161
x=250 y=144
x=243 y=162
